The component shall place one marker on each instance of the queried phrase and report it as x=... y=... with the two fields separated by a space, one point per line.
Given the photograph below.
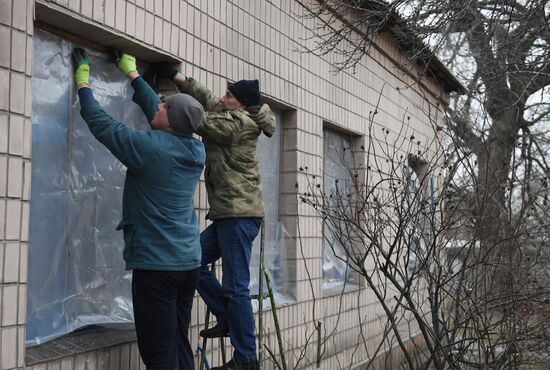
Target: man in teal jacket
x=161 y=230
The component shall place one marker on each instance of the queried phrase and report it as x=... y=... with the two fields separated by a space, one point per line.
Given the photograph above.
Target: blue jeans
x=231 y=239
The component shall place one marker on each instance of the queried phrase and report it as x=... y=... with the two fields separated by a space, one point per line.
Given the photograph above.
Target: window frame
x=92 y=337
x=357 y=145
x=257 y=241
x=423 y=196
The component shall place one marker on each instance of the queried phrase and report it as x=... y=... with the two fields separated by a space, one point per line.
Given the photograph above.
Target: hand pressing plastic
x=158 y=71
x=125 y=63
x=165 y=70
x=81 y=65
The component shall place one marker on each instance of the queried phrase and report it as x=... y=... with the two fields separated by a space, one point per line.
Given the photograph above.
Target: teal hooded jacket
x=161 y=230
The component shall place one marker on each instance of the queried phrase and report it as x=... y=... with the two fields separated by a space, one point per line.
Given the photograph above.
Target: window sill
x=280 y=301
x=337 y=290
x=89 y=339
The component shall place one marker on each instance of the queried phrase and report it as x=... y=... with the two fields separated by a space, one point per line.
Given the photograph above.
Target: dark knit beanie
x=184 y=113
x=247 y=92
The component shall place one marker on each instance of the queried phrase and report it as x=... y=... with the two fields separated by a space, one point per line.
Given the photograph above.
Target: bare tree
x=461 y=266
x=501 y=50
x=401 y=214
x=406 y=230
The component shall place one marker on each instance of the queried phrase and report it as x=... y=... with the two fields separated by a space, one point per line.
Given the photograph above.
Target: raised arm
x=188 y=85
x=144 y=95
x=129 y=146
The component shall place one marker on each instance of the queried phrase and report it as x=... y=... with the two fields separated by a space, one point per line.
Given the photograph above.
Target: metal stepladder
x=260 y=297
x=203 y=363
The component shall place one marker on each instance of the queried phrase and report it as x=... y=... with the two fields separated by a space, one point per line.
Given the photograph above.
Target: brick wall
x=15 y=167
x=219 y=40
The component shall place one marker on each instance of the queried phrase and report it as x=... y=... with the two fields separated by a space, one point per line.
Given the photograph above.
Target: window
x=77 y=275
x=269 y=156
x=420 y=195
x=337 y=186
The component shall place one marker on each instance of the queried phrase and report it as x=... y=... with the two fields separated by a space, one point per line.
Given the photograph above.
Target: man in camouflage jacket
x=230 y=130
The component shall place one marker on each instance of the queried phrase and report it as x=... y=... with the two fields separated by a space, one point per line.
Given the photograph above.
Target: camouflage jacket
x=232 y=172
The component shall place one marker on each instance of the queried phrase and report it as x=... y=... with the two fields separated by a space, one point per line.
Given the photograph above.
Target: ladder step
x=257 y=296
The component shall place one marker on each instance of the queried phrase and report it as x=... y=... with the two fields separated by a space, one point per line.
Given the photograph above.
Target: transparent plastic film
x=76 y=271
x=337 y=186
x=276 y=239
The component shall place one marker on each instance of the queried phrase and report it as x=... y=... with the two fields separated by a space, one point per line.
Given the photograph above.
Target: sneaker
x=234 y=365
x=221 y=329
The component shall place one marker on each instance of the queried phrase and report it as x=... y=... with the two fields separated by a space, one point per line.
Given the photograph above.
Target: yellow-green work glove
x=81 y=66
x=126 y=63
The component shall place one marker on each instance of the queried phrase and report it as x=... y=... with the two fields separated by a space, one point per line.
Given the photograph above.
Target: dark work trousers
x=162 y=312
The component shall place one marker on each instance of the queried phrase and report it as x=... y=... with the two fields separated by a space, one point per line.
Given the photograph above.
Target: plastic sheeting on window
x=421 y=202
x=337 y=186
x=269 y=155
x=76 y=271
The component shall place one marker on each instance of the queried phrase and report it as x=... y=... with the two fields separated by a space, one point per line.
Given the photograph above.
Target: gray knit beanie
x=184 y=113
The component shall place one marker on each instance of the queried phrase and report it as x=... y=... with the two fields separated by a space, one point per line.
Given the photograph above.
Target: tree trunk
x=494 y=221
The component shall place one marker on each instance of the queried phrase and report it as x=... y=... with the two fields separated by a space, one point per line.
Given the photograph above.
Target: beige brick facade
x=218 y=41
x=16 y=30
